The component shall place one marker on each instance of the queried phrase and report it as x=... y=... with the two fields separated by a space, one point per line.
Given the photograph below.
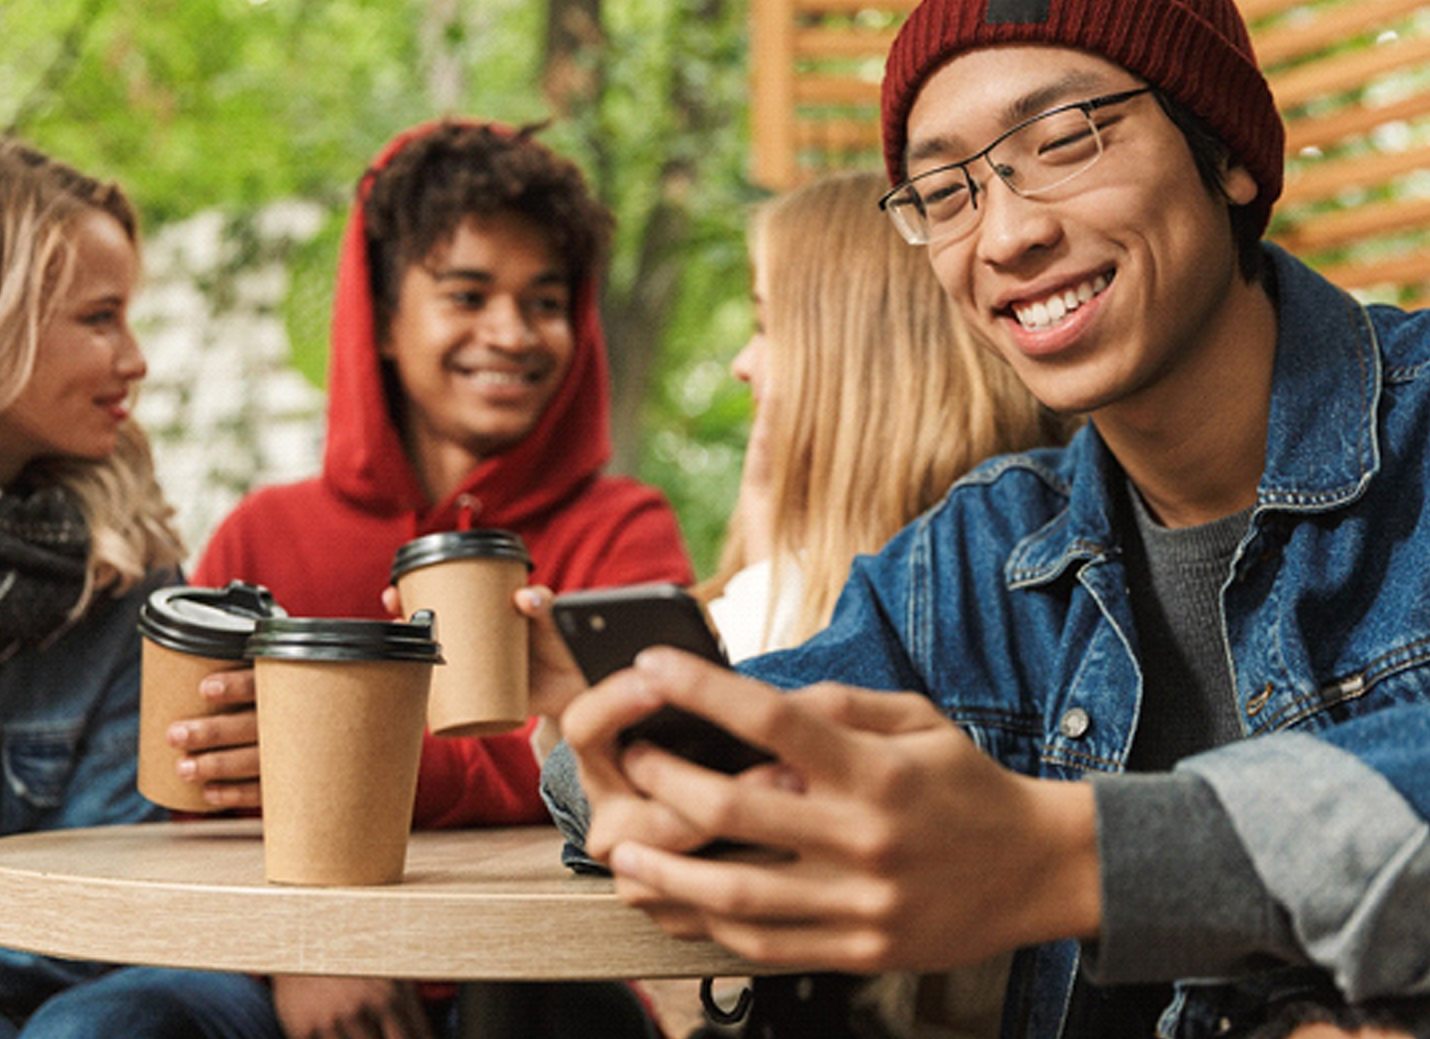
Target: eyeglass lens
x=1044 y=154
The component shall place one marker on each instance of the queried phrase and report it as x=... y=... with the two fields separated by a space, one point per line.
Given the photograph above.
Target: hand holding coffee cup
x=189 y=635
x=467 y=579
x=219 y=751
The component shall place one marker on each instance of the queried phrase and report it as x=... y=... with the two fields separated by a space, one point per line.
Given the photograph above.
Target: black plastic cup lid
x=459 y=544
x=342 y=640
x=206 y=622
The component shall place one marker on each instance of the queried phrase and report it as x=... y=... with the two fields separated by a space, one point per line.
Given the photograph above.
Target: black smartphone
x=605 y=628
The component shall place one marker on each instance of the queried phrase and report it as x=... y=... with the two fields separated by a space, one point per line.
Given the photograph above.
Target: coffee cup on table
x=341 y=710
x=467 y=579
x=188 y=634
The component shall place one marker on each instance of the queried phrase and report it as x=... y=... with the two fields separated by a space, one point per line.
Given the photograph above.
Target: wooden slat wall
x=1352 y=78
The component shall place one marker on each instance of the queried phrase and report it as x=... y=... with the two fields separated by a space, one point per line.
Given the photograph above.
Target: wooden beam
x=1323 y=131
x=847 y=135
x=1372 y=220
x=1402 y=270
x=1330 y=26
x=1327 y=179
x=773 y=89
x=901 y=7
x=818 y=89
x=1255 y=10
x=822 y=43
x=1346 y=71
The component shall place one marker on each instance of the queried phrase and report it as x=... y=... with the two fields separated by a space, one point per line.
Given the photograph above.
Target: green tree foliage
x=196 y=104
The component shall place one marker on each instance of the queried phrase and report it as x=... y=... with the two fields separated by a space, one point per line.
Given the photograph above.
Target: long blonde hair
x=130 y=523
x=886 y=399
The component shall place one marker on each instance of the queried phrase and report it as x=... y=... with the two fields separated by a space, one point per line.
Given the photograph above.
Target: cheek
x=561 y=342
x=951 y=269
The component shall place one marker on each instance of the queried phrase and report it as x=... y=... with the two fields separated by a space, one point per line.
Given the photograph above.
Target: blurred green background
x=240 y=126
x=225 y=119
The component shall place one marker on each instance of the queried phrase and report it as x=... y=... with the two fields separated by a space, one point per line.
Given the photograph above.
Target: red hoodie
x=324 y=546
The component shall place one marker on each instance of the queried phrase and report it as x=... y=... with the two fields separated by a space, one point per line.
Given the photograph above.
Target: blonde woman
x=85 y=533
x=870 y=401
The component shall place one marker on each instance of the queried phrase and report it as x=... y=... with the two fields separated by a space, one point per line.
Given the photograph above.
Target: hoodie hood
x=364 y=459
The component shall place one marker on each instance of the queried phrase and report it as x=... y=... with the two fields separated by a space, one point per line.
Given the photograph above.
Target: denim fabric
x=155 y=1003
x=69 y=723
x=69 y=726
x=570 y=811
x=1007 y=603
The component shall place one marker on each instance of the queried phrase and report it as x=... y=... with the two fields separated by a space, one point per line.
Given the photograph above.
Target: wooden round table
x=474 y=905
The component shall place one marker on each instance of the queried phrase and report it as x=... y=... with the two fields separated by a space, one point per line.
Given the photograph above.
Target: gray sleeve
x=1283 y=847
x=1181 y=898
x=1340 y=849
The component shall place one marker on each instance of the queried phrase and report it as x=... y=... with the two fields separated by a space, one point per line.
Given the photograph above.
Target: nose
x=505 y=325
x=743 y=366
x=1011 y=226
x=129 y=360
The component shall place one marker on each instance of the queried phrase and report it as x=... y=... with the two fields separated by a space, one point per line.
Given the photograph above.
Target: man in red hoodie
x=467 y=388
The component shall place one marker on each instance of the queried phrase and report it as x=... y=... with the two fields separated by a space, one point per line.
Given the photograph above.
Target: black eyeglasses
x=1033 y=158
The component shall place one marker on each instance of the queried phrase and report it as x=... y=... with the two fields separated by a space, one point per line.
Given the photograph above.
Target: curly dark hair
x=419 y=199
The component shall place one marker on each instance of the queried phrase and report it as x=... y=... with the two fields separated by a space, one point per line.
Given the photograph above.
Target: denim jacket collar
x=1321 y=446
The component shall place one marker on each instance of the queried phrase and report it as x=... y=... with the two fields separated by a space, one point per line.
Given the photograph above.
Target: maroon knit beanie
x=1197 y=52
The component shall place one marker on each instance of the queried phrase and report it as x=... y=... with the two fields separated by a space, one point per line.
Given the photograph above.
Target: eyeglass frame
x=1087 y=107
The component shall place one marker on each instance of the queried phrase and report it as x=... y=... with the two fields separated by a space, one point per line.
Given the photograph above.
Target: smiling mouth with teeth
x=492 y=377
x=1048 y=312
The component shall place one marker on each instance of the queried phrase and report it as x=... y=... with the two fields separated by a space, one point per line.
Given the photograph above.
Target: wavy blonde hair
x=130 y=523
x=886 y=399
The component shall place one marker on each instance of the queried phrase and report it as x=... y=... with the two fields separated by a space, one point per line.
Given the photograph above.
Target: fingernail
x=626 y=858
x=213 y=796
x=178 y=734
x=211 y=688
x=653 y=662
x=188 y=768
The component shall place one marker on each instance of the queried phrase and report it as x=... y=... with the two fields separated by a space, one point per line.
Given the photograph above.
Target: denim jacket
x=1007 y=605
x=69 y=728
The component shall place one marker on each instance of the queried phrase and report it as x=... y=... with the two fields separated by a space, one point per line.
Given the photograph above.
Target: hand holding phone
x=605 y=628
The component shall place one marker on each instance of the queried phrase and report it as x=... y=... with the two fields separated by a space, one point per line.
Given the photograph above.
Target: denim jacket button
x=1074 y=723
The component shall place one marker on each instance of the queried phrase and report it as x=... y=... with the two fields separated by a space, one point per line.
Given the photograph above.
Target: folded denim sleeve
x=1338 y=842
x=1181 y=897
x=1285 y=847
x=570 y=811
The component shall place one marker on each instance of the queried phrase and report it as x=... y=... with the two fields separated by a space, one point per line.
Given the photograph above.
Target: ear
x=1240 y=187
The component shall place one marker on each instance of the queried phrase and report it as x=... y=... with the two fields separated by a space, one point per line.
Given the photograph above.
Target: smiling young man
x=1212 y=604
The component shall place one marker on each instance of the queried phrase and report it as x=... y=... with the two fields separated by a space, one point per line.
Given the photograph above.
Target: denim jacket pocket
x=38 y=759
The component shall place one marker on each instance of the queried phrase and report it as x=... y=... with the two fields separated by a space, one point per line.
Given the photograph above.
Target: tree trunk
x=636 y=316
x=571 y=68
x=442 y=37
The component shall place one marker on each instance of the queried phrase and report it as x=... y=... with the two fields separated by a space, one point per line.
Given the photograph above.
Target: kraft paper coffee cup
x=341 y=710
x=467 y=579
x=188 y=634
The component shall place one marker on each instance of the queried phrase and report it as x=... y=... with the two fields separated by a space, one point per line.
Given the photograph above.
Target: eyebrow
x=104 y=299
x=1025 y=106
x=551 y=277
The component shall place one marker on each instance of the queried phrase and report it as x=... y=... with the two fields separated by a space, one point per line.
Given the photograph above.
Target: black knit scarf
x=44 y=545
